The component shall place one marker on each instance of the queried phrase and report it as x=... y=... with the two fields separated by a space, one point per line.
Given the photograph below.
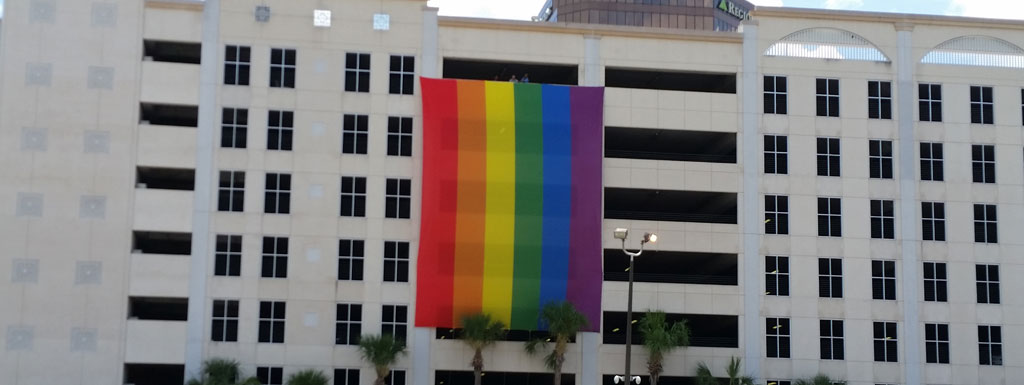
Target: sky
x=524 y=9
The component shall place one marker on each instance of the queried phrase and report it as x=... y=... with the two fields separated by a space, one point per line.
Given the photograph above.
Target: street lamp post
x=622 y=234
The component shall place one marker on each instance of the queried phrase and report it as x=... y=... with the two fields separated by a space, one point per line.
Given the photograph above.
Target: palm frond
x=535 y=345
x=562 y=319
x=660 y=337
x=704 y=376
x=480 y=330
x=221 y=370
x=308 y=377
x=380 y=350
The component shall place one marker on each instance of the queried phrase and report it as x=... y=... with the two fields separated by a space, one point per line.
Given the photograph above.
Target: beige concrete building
x=835 y=192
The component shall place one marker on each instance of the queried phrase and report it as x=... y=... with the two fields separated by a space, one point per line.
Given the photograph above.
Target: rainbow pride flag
x=511 y=216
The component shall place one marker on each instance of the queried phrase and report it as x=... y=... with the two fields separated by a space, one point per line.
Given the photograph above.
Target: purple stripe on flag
x=585 y=257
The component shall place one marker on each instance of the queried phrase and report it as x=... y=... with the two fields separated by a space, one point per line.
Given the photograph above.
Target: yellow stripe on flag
x=499 y=231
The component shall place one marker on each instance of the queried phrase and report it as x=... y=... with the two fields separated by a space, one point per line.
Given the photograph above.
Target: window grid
x=353 y=196
x=936 y=343
x=985 y=225
x=830 y=217
x=883 y=280
x=348 y=324
x=776 y=156
x=280 y=126
x=830 y=278
x=933 y=221
x=355 y=134
x=224 y=327
x=776 y=270
x=883 y=219
x=228 y=256
x=234 y=127
x=270 y=375
x=350 y=260
x=981 y=105
x=236 y=65
x=402 y=75
x=357 y=72
x=396 y=261
x=831 y=332
x=398 y=198
x=987 y=283
x=775 y=95
x=929 y=102
x=990 y=345
x=776 y=214
x=399 y=136
x=880 y=159
x=346 y=376
x=935 y=282
x=879 y=99
x=272 y=318
x=885 y=342
x=931 y=161
x=277 y=198
x=275 y=257
x=396 y=377
x=394 y=321
x=231 y=194
x=777 y=337
x=828 y=157
x=282 y=68
x=827 y=93
x=983 y=163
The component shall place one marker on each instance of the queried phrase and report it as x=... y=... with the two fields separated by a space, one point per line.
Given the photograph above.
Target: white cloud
x=844 y=4
x=492 y=9
x=996 y=9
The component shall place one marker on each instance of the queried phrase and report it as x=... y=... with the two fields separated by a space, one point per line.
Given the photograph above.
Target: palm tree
x=704 y=376
x=221 y=371
x=820 y=379
x=480 y=331
x=381 y=351
x=563 y=321
x=660 y=339
x=308 y=377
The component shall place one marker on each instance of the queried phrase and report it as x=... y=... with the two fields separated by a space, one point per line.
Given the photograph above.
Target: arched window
x=826 y=43
x=984 y=51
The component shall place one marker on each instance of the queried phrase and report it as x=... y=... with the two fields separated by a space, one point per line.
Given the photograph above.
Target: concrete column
x=593 y=72
x=751 y=223
x=204 y=182
x=911 y=333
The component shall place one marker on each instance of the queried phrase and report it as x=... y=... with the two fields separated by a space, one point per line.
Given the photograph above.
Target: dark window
x=669 y=205
x=346 y=376
x=348 y=324
x=990 y=345
x=776 y=214
x=225 y=321
x=275 y=257
x=776 y=275
x=272 y=314
x=933 y=221
x=885 y=342
x=983 y=163
x=935 y=282
x=398 y=198
x=277 y=198
x=879 y=100
x=777 y=337
x=775 y=95
x=394 y=321
x=880 y=159
x=396 y=261
x=158 y=308
x=988 y=283
x=827 y=93
x=231 y=194
x=228 y=258
x=664 y=80
x=403 y=71
x=279 y=130
x=164 y=178
x=662 y=266
x=353 y=196
x=831 y=341
x=396 y=377
x=234 y=127
x=236 y=65
x=357 y=72
x=270 y=375
x=354 y=134
x=981 y=105
x=883 y=280
x=830 y=219
x=936 y=343
x=883 y=221
x=828 y=157
x=985 y=225
x=669 y=144
x=350 y=260
x=830 y=278
x=776 y=154
x=931 y=161
x=929 y=103
x=399 y=136
x=282 y=68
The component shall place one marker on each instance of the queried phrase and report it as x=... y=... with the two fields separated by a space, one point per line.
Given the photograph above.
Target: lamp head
x=650 y=237
x=621 y=233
